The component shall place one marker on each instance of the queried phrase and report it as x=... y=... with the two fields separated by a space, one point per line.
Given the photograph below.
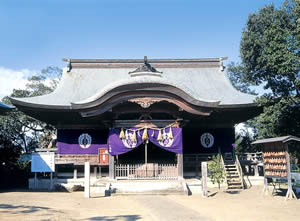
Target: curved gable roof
x=202 y=85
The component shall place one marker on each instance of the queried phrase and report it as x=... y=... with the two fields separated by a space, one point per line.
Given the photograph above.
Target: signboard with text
x=42 y=162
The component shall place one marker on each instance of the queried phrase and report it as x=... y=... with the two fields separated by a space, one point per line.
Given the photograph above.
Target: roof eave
x=19 y=103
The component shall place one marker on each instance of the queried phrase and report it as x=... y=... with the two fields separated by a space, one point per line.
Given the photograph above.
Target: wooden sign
x=275 y=163
x=103 y=156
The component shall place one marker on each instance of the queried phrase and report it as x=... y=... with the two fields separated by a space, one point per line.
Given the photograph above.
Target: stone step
x=147 y=187
x=235 y=188
x=150 y=193
x=234 y=183
x=232 y=177
x=230 y=165
x=230 y=162
x=231 y=169
x=232 y=172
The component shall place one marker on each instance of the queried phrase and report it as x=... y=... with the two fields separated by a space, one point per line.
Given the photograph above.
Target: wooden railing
x=224 y=169
x=146 y=171
x=195 y=159
x=240 y=171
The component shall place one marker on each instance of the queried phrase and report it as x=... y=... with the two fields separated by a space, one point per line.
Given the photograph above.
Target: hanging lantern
x=145 y=134
x=133 y=137
x=159 y=136
x=122 y=134
x=170 y=135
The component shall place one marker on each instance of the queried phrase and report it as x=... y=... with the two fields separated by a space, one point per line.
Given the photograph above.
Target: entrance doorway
x=147 y=162
x=148 y=152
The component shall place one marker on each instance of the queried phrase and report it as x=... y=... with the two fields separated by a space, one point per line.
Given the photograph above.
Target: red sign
x=103 y=156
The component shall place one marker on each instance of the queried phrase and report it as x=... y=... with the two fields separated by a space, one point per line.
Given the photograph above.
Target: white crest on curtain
x=128 y=141
x=207 y=140
x=85 y=141
x=166 y=140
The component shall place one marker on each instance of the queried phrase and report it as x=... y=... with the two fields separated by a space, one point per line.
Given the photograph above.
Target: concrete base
x=97 y=185
x=104 y=186
x=194 y=186
x=147 y=187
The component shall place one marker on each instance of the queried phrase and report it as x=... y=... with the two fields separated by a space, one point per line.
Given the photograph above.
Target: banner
x=132 y=138
x=81 y=141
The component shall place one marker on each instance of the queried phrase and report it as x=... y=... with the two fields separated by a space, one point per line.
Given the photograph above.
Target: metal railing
x=146 y=171
x=255 y=157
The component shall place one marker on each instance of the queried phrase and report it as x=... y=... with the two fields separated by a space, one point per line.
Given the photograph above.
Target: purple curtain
x=117 y=146
x=80 y=141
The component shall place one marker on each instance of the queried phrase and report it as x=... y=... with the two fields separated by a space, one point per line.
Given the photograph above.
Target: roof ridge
x=175 y=60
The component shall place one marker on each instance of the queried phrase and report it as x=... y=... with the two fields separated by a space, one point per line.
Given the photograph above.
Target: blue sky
x=39 y=33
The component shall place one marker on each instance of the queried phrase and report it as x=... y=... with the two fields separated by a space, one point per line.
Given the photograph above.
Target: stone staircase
x=233 y=177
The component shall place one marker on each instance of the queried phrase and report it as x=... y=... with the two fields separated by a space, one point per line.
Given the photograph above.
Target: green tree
x=235 y=74
x=215 y=166
x=270 y=49
x=270 y=53
x=21 y=133
x=22 y=130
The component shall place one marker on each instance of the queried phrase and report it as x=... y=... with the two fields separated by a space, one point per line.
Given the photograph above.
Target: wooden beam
x=145 y=123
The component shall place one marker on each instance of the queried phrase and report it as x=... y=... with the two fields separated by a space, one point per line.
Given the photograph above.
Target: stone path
x=162 y=208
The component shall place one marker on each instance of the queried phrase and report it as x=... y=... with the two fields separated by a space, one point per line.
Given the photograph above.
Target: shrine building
x=142 y=118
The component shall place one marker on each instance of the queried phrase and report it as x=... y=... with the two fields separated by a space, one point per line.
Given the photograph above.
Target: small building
x=142 y=118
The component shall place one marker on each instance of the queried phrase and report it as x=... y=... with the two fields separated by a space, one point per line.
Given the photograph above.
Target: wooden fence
x=146 y=171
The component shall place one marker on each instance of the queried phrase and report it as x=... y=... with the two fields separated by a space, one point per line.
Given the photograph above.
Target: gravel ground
x=249 y=205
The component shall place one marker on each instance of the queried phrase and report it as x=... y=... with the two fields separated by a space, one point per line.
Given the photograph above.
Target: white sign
x=207 y=140
x=42 y=162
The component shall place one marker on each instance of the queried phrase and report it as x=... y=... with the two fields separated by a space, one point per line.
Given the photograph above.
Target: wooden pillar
x=100 y=175
x=290 y=193
x=146 y=152
x=95 y=172
x=111 y=167
x=35 y=180
x=204 y=178
x=180 y=165
x=75 y=173
x=87 y=179
x=266 y=189
x=51 y=180
x=256 y=173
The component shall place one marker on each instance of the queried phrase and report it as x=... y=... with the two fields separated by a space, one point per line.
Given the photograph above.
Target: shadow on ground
x=282 y=193
x=112 y=218
x=22 y=209
x=232 y=191
x=212 y=194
